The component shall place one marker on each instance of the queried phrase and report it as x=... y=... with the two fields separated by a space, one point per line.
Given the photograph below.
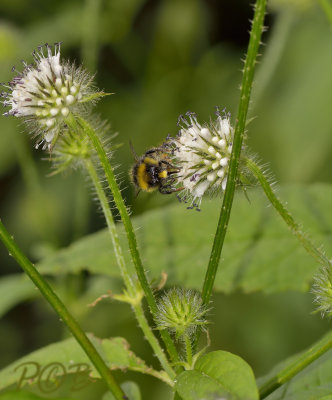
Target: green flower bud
x=181 y=312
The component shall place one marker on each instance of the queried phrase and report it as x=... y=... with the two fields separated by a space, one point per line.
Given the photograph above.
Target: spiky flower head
x=45 y=92
x=181 y=312
x=202 y=152
x=322 y=289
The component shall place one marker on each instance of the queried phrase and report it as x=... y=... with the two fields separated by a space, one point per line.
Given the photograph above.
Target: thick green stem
x=294 y=367
x=286 y=216
x=133 y=291
x=63 y=313
x=133 y=247
x=248 y=74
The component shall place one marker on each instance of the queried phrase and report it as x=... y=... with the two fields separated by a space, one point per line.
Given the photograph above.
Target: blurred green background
x=162 y=58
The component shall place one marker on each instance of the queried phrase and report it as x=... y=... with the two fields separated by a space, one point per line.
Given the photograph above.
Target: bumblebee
x=153 y=171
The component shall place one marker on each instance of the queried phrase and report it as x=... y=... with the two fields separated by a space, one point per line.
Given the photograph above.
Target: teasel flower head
x=322 y=290
x=45 y=92
x=181 y=312
x=202 y=153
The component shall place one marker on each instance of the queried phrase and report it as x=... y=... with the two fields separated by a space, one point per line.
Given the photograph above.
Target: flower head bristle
x=322 y=289
x=202 y=152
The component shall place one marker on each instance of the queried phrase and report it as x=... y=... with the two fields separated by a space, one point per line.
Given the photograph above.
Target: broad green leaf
x=23 y=395
x=216 y=374
x=67 y=357
x=314 y=382
x=259 y=253
x=193 y=385
x=14 y=289
x=131 y=390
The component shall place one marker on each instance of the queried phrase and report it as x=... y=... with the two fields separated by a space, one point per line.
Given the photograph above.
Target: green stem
x=189 y=353
x=63 y=313
x=111 y=227
x=132 y=290
x=133 y=247
x=286 y=216
x=143 y=323
x=248 y=74
x=294 y=367
x=327 y=8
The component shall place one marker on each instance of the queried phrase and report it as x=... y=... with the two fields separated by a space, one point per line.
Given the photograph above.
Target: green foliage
x=161 y=59
x=67 y=355
x=313 y=383
x=130 y=388
x=23 y=395
x=259 y=253
x=218 y=374
x=15 y=289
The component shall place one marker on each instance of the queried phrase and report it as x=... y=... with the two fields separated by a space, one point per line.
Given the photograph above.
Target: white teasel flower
x=202 y=153
x=45 y=92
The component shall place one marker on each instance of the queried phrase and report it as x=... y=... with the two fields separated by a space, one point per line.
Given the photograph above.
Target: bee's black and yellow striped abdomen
x=145 y=174
x=152 y=171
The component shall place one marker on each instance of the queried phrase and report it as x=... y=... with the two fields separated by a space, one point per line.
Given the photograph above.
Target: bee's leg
x=155 y=150
x=170 y=166
x=151 y=151
x=169 y=189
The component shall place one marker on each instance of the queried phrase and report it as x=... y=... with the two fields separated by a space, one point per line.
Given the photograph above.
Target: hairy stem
x=295 y=366
x=286 y=216
x=132 y=242
x=111 y=227
x=248 y=74
x=133 y=291
x=63 y=313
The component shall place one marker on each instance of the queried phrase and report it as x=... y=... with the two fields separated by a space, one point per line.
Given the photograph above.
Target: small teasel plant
x=55 y=99
x=183 y=314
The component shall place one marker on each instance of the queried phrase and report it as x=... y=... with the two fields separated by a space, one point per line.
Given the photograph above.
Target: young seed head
x=322 y=289
x=45 y=92
x=181 y=312
x=202 y=153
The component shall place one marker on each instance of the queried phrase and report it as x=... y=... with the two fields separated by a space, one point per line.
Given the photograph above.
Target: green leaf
x=314 y=382
x=259 y=253
x=67 y=357
x=216 y=374
x=23 y=395
x=14 y=289
x=131 y=390
x=193 y=385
